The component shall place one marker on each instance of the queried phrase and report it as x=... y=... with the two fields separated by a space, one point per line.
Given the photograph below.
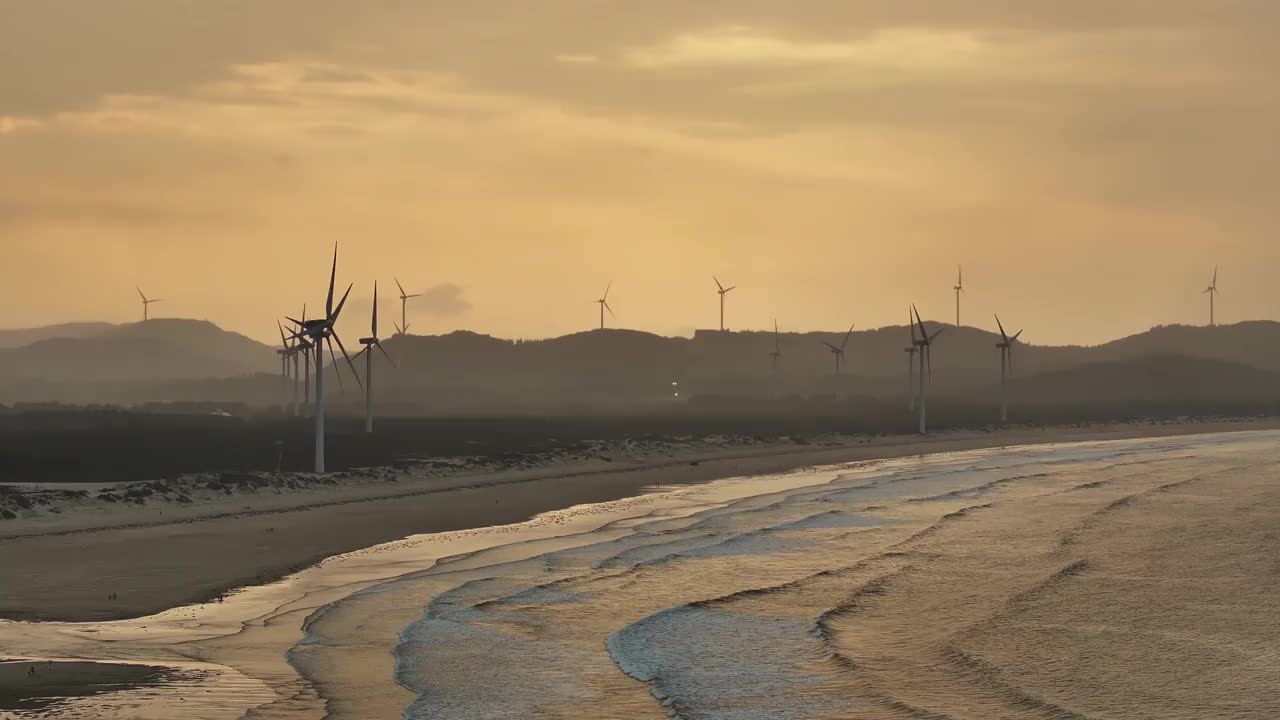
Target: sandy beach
x=64 y=565
x=370 y=630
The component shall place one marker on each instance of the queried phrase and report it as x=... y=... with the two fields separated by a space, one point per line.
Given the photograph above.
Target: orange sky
x=1088 y=162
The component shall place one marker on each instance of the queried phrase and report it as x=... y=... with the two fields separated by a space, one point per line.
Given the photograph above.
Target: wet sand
x=53 y=682
x=64 y=567
x=984 y=583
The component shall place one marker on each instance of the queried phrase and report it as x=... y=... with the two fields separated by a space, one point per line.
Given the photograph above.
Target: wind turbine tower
x=959 y=288
x=369 y=344
x=403 y=327
x=1006 y=367
x=604 y=304
x=925 y=342
x=1211 y=291
x=722 y=291
x=146 y=304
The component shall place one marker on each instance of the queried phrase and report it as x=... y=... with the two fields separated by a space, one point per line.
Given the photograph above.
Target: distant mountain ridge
x=162 y=349
x=617 y=370
x=25 y=336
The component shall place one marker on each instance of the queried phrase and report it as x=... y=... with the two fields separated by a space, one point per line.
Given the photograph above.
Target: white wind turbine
x=603 y=302
x=303 y=346
x=722 y=291
x=1212 y=291
x=146 y=304
x=911 y=351
x=925 y=342
x=1006 y=367
x=287 y=351
x=321 y=332
x=369 y=343
x=838 y=352
x=403 y=327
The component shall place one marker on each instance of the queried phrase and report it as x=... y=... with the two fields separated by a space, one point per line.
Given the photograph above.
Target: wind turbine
x=722 y=291
x=911 y=363
x=287 y=351
x=776 y=355
x=925 y=343
x=604 y=304
x=146 y=304
x=1211 y=291
x=838 y=352
x=321 y=331
x=303 y=346
x=1006 y=367
x=959 y=288
x=369 y=344
x=403 y=327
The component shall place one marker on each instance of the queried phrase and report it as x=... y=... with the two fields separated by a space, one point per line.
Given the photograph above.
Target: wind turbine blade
x=1215 y=276
x=402 y=292
x=387 y=356
x=833 y=347
x=399 y=330
x=1017 y=335
x=1001 y=326
x=407 y=297
x=333 y=276
x=374 y=324
x=283 y=341
x=333 y=362
x=718 y=285
x=606 y=307
x=911 y=324
x=606 y=290
x=141 y=294
x=304 y=312
x=846 y=338
x=935 y=335
x=295 y=322
x=363 y=350
x=333 y=316
x=731 y=287
x=350 y=364
x=924 y=334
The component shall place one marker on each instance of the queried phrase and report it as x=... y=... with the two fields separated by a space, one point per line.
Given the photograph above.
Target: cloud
x=898 y=49
x=443 y=300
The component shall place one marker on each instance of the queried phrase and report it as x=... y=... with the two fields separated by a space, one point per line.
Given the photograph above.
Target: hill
x=616 y=371
x=26 y=336
x=151 y=351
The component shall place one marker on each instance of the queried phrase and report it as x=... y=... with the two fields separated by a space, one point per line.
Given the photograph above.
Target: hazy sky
x=1088 y=161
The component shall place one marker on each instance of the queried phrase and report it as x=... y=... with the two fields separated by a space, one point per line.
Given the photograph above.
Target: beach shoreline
x=65 y=565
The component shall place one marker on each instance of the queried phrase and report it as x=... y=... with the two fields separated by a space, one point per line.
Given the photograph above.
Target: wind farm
x=507 y=500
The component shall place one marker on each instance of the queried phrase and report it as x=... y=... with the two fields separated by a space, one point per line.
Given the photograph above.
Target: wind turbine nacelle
x=368 y=340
